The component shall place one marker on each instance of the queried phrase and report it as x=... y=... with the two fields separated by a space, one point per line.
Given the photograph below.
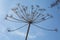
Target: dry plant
x=30 y=16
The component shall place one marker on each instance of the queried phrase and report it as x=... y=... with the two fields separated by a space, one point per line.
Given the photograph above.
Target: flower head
x=30 y=16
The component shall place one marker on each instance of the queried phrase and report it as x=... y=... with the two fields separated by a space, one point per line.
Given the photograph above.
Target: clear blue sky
x=35 y=33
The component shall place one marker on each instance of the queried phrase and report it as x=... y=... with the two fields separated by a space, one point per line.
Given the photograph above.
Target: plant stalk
x=27 y=32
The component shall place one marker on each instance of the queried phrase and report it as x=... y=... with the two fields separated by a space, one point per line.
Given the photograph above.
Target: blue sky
x=35 y=33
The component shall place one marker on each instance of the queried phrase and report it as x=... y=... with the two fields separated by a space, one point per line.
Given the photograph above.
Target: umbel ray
x=30 y=16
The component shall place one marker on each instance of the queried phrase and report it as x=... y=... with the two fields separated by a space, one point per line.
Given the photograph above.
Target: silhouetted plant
x=30 y=16
x=55 y=3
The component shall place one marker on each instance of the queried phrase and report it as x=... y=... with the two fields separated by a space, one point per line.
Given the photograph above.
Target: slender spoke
x=45 y=28
x=43 y=19
x=11 y=20
x=16 y=28
x=15 y=21
x=22 y=9
x=32 y=13
x=37 y=17
x=24 y=18
x=23 y=12
x=14 y=10
x=27 y=31
x=35 y=11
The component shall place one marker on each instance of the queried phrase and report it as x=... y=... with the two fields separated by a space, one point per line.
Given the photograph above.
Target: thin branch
x=16 y=28
x=45 y=28
x=35 y=12
x=19 y=15
x=37 y=16
x=22 y=9
x=14 y=10
x=17 y=20
x=43 y=18
x=18 y=11
x=32 y=13
x=24 y=13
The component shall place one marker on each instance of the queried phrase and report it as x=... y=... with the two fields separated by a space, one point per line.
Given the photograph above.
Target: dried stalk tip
x=56 y=30
x=5 y=18
x=14 y=9
x=37 y=6
x=9 y=30
x=11 y=16
x=50 y=15
x=18 y=4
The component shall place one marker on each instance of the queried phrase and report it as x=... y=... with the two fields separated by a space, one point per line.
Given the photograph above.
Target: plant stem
x=27 y=31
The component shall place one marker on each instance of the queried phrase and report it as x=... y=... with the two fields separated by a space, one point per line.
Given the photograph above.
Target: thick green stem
x=27 y=31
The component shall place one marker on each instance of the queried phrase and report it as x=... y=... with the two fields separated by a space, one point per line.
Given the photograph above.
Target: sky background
x=35 y=33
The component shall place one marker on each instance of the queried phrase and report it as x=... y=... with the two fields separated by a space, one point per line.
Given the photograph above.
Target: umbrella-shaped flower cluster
x=31 y=15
